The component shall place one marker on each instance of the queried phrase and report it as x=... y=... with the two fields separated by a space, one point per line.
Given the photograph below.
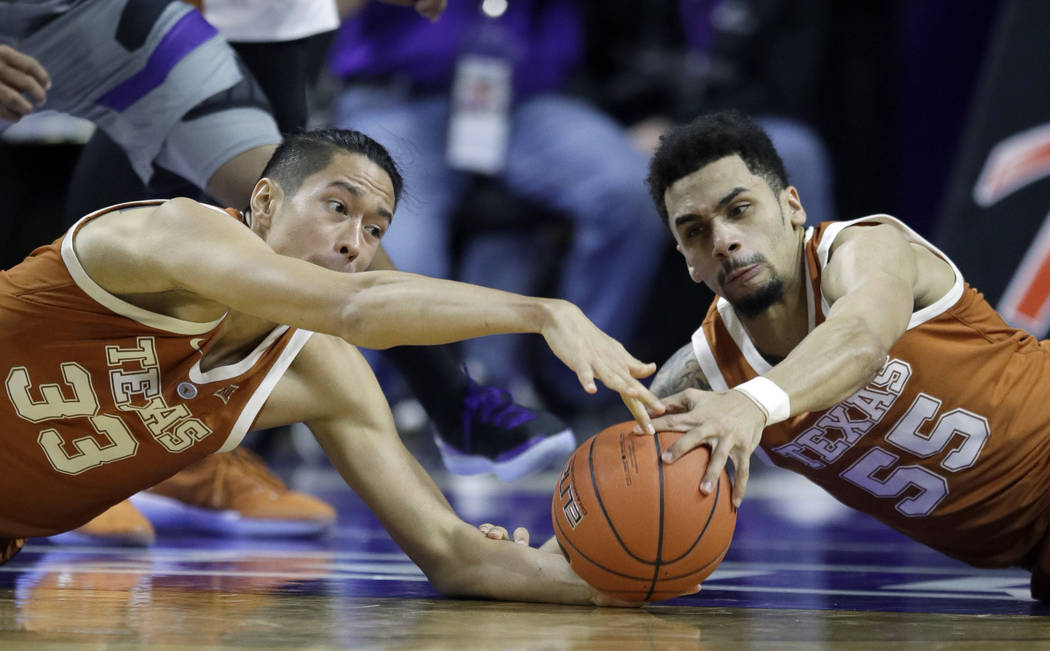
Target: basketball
x=634 y=527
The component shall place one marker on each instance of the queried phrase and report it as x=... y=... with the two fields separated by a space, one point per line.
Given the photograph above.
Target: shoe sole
x=538 y=457
x=167 y=513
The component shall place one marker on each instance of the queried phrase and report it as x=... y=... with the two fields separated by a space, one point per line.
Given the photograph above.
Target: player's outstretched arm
x=187 y=247
x=332 y=385
x=871 y=284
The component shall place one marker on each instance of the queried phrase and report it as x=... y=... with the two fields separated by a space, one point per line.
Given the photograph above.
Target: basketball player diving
x=853 y=353
x=155 y=333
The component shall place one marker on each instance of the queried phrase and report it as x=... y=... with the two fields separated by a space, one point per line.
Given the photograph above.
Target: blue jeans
x=808 y=165
x=563 y=155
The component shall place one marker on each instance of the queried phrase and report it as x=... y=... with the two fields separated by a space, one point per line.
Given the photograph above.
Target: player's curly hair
x=710 y=137
x=308 y=152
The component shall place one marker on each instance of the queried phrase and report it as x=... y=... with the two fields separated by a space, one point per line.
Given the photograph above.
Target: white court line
x=302 y=574
x=863 y=593
x=883 y=569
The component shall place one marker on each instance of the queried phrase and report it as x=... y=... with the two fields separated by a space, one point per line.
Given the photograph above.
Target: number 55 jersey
x=101 y=398
x=949 y=443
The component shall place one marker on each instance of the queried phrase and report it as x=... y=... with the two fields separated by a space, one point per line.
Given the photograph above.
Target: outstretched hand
x=730 y=423
x=21 y=76
x=594 y=355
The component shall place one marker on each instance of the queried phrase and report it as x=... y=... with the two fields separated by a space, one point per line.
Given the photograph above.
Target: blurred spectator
x=477 y=428
x=680 y=57
x=479 y=93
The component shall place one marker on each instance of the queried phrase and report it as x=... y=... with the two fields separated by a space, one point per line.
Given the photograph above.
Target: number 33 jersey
x=102 y=399
x=949 y=443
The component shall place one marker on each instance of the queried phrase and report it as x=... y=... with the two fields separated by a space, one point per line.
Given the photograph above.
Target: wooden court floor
x=803 y=573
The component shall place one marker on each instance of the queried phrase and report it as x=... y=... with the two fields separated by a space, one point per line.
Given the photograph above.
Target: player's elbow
x=866 y=348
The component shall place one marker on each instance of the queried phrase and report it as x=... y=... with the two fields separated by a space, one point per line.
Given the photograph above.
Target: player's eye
x=337 y=206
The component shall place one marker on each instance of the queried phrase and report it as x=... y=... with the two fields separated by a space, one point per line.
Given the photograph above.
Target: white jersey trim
x=220 y=373
x=706 y=359
x=739 y=333
x=266 y=387
x=117 y=305
x=918 y=317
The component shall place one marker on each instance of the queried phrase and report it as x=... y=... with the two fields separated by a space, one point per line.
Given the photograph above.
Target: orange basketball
x=634 y=527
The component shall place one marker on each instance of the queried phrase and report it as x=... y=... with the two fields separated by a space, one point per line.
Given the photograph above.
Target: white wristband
x=770 y=398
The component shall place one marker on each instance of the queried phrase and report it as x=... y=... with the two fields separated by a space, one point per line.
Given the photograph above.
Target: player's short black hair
x=308 y=152
x=708 y=138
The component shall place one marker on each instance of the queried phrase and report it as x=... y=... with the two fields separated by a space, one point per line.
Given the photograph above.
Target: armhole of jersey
x=741 y=338
x=918 y=317
x=220 y=373
x=706 y=358
x=114 y=304
x=265 y=388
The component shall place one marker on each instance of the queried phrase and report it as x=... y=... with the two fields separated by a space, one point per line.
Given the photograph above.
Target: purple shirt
x=541 y=37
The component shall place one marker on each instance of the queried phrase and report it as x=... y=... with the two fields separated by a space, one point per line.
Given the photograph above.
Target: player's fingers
x=644 y=424
x=586 y=378
x=494 y=531
x=691 y=439
x=675 y=422
x=678 y=402
x=640 y=369
x=521 y=536
x=717 y=462
x=693 y=590
x=743 y=472
x=652 y=403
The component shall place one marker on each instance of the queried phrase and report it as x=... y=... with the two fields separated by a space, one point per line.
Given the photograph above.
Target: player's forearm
x=839 y=357
x=391 y=309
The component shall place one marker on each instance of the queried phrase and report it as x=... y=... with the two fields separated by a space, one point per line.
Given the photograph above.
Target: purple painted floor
x=806 y=554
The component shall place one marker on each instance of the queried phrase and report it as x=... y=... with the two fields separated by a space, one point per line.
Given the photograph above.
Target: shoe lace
x=491 y=406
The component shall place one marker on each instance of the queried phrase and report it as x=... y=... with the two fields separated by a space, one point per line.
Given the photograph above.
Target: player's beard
x=761 y=299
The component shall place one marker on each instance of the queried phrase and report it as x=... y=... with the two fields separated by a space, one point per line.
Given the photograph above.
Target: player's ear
x=796 y=213
x=265 y=198
x=691 y=268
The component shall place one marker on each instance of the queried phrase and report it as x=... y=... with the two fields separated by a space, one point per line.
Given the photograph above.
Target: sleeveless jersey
x=102 y=399
x=949 y=443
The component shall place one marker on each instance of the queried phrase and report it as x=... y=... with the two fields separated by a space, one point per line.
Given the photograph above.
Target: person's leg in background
x=166 y=89
x=481 y=428
x=808 y=165
x=568 y=157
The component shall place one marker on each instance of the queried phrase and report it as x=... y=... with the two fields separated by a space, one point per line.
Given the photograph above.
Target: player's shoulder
x=181 y=210
x=867 y=237
x=868 y=230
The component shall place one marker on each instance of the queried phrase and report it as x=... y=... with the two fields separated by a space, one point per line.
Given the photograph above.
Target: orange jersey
x=102 y=399
x=948 y=444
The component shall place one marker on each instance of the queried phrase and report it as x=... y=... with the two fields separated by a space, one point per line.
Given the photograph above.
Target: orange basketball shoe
x=233 y=494
x=120 y=524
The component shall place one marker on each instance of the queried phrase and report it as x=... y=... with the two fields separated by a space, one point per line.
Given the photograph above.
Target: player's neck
x=777 y=330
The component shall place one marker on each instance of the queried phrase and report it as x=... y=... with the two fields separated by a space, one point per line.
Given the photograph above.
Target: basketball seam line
x=660 y=522
x=601 y=503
